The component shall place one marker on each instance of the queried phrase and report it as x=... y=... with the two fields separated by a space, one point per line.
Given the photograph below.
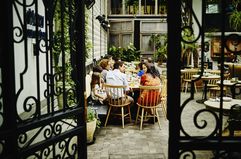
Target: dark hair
x=140 y=65
x=152 y=69
x=117 y=59
x=118 y=64
x=108 y=57
x=95 y=79
x=97 y=68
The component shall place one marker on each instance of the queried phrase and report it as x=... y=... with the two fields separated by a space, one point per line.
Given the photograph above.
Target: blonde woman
x=105 y=64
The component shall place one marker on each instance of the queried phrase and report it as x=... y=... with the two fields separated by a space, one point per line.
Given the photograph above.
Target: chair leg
x=183 y=86
x=107 y=117
x=195 y=86
x=154 y=114
x=137 y=114
x=122 y=116
x=186 y=86
x=164 y=111
x=129 y=113
x=142 y=114
x=158 y=119
x=145 y=116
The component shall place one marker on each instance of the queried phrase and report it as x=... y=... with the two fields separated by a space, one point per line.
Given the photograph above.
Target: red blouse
x=147 y=97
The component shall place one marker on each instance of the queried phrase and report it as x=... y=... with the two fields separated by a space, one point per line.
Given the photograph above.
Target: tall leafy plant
x=235 y=16
x=159 y=42
x=125 y=54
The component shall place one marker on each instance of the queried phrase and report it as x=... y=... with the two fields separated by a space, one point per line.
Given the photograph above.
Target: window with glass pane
x=147 y=6
x=145 y=43
x=126 y=40
x=116 y=6
x=162 y=7
x=131 y=6
x=114 y=40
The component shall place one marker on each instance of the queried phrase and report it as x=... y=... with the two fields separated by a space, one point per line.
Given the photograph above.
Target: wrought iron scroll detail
x=1 y=104
x=187 y=28
x=44 y=130
x=203 y=123
x=187 y=154
x=42 y=134
x=2 y=146
x=67 y=149
x=189 y=38
x=2 y=142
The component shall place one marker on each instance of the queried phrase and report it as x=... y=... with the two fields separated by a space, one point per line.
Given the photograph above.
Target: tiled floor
x=113 y=142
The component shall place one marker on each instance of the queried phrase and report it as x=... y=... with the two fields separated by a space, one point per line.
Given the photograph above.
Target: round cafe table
x=232 y=85
x=215 y=104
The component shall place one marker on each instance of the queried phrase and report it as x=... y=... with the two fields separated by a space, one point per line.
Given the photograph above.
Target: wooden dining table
x=133 y=81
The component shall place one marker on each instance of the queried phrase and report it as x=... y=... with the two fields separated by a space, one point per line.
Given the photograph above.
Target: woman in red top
x=151 y=77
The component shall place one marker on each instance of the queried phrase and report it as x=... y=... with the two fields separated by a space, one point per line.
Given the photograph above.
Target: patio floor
x=151 y=142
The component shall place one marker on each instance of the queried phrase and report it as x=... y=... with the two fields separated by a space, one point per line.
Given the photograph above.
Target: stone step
x=137 y=156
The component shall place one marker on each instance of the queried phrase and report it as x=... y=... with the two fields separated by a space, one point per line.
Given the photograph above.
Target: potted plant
x=235 y=16
x=159 y=42
x=91 y=123
x=126 y=54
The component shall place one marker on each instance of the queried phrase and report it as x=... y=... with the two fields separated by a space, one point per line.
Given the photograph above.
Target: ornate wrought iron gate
x=42 y=79
x=183 y=142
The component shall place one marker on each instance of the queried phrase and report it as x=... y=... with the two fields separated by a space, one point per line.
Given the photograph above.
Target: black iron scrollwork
x=187 y=27
x=187 y=154
x=22 y=138
x=202 y=124
x=1 y=106
x=189 y=37
x=26 y=3
x=2 y=143
x=57 y=128
x=45 y=153
x=67 y=147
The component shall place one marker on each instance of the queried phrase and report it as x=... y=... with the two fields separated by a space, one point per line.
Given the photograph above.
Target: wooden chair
x=117 y=98
x=187 y=78
x=213 y=87
x=164 y=96
x=148 y=102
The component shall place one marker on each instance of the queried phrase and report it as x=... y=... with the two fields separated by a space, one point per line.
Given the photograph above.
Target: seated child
x=97 y=93
x=140 y=69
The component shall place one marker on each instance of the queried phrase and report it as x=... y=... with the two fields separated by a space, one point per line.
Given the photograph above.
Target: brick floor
x=113 y=142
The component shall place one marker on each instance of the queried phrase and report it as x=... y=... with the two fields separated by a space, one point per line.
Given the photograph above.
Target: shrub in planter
x=92 y=123
x=125 y=54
